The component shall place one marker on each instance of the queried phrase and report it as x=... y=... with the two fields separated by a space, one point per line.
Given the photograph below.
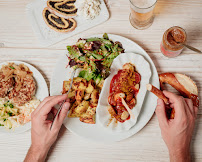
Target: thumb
x=62 y=115
x=161 y=113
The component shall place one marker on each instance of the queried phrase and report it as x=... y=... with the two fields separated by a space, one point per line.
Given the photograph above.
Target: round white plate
x=96 y=131
x=41 y=93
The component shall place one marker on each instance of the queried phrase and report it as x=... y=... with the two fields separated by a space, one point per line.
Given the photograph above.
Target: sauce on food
x=126 y=82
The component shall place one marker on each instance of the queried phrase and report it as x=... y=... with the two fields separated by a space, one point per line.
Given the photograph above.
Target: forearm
x=180 y=156
x=36 y=154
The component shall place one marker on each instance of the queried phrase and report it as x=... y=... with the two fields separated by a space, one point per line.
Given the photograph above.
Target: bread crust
x=58 y=30
x=173 y=81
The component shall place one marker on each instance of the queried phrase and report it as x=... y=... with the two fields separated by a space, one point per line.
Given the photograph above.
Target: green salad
x=94 y=56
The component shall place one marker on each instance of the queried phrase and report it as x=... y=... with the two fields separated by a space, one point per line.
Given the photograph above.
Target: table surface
x=18 y=42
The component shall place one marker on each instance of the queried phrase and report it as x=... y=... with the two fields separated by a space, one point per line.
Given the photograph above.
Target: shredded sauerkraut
x=12 y=116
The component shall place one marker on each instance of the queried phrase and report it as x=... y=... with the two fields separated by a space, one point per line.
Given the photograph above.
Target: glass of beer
x=142 y=15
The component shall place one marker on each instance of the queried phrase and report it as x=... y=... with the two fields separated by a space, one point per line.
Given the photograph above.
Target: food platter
x=96 y=131
x=41 y=93
x=47 y=36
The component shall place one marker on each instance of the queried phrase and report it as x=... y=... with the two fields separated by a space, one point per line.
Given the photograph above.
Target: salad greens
x=94 y=56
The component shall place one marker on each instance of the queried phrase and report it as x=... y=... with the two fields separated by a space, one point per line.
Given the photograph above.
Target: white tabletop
x=18 y=42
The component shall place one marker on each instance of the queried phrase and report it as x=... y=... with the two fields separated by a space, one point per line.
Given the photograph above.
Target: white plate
x=48 y=36
x=97 y=132
x=41 y=93
x=103 y=116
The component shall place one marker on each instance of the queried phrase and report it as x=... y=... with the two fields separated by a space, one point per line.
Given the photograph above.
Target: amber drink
x=142 y=13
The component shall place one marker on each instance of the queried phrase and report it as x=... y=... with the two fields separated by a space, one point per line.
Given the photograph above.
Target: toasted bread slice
x=62 y=8
x=58 y=24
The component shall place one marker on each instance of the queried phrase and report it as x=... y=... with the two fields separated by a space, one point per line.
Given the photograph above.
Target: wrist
x=39 y=152
x=181 y=155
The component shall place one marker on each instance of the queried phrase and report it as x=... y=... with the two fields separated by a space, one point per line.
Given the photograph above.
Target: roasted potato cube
x=72 y=113
x=95 y=96
x=82 y=107
x=66 y=86
x=89 y=116
x=87 y=96
x=79 y=95
x=79 y=82
x=90 y=87
x=71 y=94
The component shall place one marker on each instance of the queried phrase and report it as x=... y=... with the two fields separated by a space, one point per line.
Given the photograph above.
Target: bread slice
x=62 y=8
x=58 y=24
x=187 y=83
x=181 y=83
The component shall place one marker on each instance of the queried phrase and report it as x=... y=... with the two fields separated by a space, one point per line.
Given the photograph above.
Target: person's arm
x=177 y=132
x=41 y=135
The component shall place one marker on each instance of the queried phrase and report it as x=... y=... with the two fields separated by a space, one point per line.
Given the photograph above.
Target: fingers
x=51 y=103
x=195 y=111
x=43 y=103
x=61 y=116
x=161 y=113
x=177 y=102
x=54 y=111
x=172 y=97
x=190 y=105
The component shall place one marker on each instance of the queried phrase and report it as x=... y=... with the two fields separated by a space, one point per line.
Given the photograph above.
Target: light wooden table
x=18 y=42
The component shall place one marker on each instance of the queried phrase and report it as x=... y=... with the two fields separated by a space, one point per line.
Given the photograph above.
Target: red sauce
x=123 y=82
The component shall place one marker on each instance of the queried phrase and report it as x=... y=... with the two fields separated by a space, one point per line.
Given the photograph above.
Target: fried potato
x=66 y=86
x=95 y=96
x=89 y=116
x=87 y=96
x=82 y=107
x=79 y=95
x=90 y=87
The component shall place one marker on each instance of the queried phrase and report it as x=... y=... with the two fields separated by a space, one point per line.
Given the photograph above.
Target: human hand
x=177 y=132
x=41 y=135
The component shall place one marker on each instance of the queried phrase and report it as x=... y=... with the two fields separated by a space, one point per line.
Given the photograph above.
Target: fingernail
x=66 y=106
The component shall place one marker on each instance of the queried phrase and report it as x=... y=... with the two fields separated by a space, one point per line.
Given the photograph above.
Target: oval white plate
x=96 y=131
x=41 y=93
x=143 y=67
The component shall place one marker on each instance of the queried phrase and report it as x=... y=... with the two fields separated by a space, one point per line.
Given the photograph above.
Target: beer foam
x=143 y=3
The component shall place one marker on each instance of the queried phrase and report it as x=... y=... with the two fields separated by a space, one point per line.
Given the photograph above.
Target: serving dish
x=47 y=36
x=96 y=131
x=41 y=93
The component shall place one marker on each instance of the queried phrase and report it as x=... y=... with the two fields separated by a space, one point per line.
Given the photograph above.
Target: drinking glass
x=142 y=13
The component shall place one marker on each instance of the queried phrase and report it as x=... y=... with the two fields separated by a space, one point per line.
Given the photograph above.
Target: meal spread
x=172 y=43
x=89 y=9
x=17 y=95
x=125 y=84
x=94 y=57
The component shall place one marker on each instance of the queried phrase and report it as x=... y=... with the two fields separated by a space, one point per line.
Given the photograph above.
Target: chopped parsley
x=10 y=113
x=11 y=105
x=11 y=67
